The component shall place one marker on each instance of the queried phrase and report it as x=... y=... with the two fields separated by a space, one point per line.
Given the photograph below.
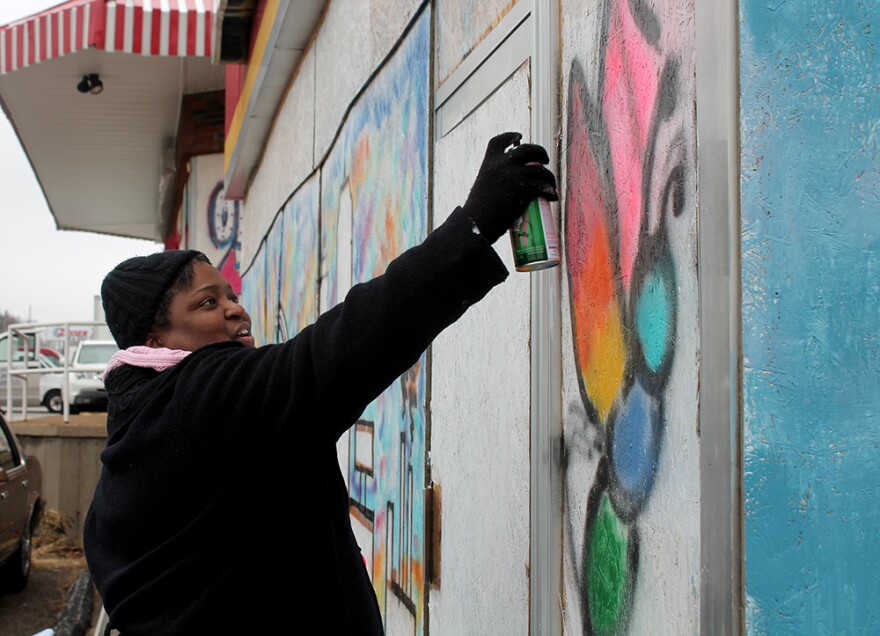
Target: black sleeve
x=324 y=377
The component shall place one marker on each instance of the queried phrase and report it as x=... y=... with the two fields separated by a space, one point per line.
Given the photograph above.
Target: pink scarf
x=146 y=357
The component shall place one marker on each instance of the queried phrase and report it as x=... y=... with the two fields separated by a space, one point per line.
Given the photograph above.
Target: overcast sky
x=46 y=274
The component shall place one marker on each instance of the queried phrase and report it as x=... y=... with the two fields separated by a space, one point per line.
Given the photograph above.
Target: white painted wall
x=480 y=412
x=354 y=37
x=461 y=25
x=287 y=158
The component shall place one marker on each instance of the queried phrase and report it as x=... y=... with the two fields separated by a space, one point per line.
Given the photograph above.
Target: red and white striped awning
x=160 y=27
x=143 y=27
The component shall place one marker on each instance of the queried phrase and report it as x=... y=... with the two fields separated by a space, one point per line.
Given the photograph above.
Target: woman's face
x=206 y=313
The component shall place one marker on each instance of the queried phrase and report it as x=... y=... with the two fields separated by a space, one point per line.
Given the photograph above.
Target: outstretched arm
x=334 y=368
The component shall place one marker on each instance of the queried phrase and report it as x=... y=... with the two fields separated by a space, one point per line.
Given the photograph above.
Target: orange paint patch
x=377 y=569
x=597 y=322
x=359 y=171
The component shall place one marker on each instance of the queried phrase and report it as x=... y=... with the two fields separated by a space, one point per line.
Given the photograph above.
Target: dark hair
x=183 y=281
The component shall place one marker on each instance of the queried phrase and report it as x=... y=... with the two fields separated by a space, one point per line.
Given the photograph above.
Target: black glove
x=506 y=184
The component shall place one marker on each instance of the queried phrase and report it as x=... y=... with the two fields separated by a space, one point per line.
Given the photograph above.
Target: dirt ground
x=57 y=561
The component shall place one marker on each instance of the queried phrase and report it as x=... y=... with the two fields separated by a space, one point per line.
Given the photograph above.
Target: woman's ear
x=153 y=341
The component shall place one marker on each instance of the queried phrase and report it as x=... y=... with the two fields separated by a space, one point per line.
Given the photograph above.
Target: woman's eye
x=208 y=302
x=233 y=298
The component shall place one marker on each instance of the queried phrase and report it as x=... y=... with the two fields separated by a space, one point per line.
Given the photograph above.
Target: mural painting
x=280 y=290
x=374 y=206
x=224 y=231
x=253 y=298
x=274 y=276
x=629 y=165
x=298 y=293
x=209 y=222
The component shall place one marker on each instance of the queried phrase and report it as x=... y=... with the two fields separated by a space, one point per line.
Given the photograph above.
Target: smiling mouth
x=244 y=332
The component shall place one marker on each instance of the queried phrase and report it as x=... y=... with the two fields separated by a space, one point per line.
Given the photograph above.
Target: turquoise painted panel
x=810 y=117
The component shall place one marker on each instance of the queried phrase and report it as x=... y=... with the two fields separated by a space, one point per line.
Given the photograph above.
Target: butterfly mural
x=628 y=154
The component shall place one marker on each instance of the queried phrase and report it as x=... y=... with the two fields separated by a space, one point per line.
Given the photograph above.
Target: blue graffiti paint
x=380 y=161
x=635 y=446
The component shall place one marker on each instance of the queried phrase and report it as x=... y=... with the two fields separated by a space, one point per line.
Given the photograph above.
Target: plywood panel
x=631 y=326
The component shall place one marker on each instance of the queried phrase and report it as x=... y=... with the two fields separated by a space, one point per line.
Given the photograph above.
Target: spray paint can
x=534 y=238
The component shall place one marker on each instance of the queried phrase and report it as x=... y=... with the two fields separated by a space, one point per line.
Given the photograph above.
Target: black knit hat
x=132 y=292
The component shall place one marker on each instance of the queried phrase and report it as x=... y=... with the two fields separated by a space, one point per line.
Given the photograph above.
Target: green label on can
x=534 y=238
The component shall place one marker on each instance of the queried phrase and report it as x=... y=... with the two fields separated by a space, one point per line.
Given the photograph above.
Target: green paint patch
x=607 y=569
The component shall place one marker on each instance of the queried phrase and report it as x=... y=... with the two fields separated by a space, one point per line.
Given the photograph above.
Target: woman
x=187 y=532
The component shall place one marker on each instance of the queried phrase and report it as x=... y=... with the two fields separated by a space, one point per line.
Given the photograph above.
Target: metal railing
x=28 y=334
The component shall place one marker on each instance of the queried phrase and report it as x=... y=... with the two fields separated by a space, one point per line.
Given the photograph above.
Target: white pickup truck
x=85 y=383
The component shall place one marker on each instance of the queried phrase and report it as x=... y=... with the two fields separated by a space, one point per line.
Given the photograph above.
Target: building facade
x=674 y=431
x=628 y=443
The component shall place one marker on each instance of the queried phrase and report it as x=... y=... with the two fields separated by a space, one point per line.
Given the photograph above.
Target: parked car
x=26 y=339
x=24 y=356
x=85 y=382
x=54 y=357
x=86 y=388
x=21 y=506
x=34 y=391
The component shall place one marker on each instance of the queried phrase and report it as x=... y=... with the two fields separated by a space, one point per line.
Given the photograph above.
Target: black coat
x=221 y=507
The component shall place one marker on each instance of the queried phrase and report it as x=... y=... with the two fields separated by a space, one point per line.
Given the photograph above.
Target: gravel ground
x=57 y=562
x=37 y=607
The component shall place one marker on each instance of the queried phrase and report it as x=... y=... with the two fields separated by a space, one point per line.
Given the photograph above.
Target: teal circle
x=653 y=318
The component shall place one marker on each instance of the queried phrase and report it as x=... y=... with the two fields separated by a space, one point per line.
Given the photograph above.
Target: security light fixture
x=90 y=83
